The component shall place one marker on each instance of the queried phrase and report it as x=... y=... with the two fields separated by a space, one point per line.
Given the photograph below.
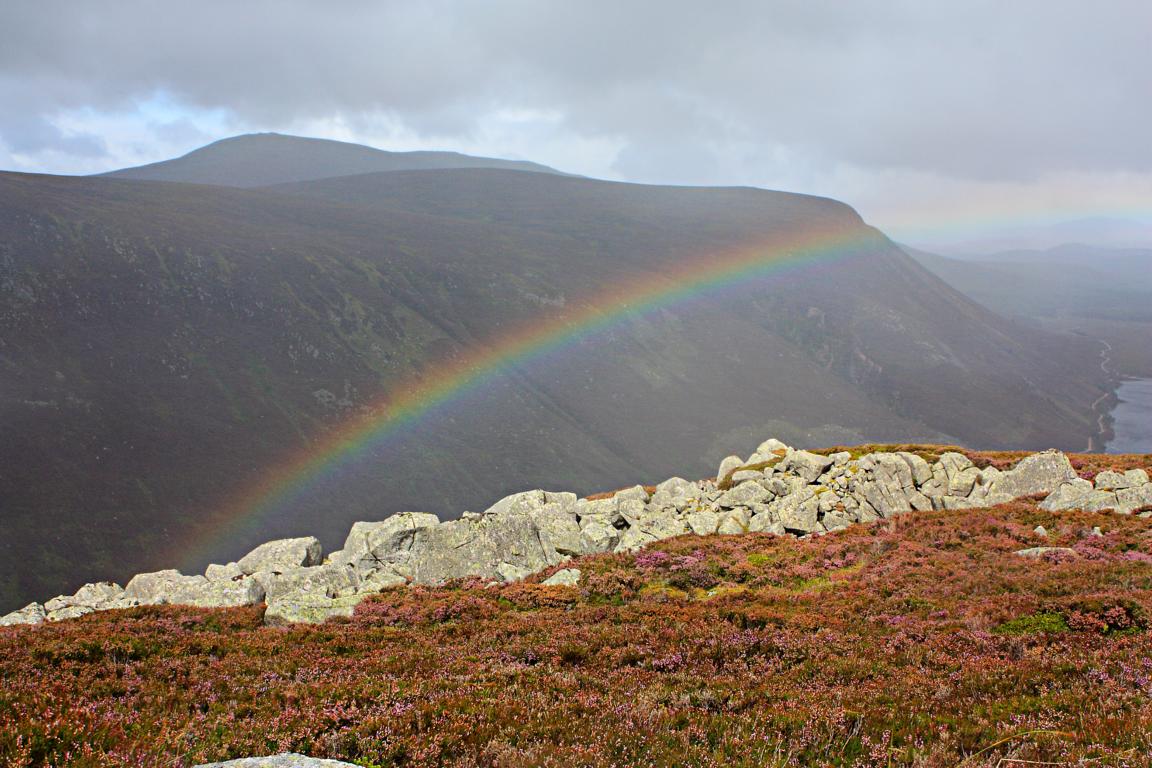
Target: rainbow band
x=431 y=391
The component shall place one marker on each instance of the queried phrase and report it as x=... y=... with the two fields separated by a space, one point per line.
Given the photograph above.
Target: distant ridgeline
x=777 y=490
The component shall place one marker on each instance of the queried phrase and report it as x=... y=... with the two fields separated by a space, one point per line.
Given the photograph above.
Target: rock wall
x=776 y=490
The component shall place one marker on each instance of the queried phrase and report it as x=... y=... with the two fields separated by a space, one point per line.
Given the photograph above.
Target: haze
x=942 y=123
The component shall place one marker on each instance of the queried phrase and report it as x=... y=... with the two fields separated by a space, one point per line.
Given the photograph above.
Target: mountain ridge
x=262 y=159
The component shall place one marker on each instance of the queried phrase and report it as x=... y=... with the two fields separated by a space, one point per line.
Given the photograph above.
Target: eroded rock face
x=777 y=490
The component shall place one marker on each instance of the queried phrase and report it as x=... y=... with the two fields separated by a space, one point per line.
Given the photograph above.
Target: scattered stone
x=566 y=577
x=286 y=760
x=1042 y=551
x=1040 y=531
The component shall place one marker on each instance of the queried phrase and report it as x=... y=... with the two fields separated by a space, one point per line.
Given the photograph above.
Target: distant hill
x=1067 y=281
x=163 y=344
x=260 y=159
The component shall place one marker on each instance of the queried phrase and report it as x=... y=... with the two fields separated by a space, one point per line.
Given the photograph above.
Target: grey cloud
x=979 y=89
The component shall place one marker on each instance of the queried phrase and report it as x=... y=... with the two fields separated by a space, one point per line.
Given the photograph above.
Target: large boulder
x=281 y=555
x=1038 y=473
x=371 y=546
x=30 y=614
x=286 y=760
x=1067 y=495
x=328 y=580
x=159 y=587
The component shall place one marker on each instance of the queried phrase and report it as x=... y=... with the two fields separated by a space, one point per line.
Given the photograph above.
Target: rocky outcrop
x=776 y=490
x=1123 y=492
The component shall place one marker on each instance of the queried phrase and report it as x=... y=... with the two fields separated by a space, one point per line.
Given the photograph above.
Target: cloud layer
x=881 y=100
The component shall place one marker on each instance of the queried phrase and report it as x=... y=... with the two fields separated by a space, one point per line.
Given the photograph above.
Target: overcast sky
x=937 y=120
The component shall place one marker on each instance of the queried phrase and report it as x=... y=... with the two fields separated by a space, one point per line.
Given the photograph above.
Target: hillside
x=927 y=639
x=164 y=345
x=257 y=160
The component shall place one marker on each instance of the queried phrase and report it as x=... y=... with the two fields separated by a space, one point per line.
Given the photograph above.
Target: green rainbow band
x=422 y=395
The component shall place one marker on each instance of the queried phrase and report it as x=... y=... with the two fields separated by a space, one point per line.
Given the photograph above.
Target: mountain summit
x=260 y=159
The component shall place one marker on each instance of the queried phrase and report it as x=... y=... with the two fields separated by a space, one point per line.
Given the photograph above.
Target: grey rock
x=371 y=546
x=727 y=465
x=1112 y=481
x=765 y=523
x=920 y=469
x=282 y=554
x=1067 y=495
x=747 y=493
x=1038 y=473
x=797 y=512
x=703 y=523
x=597 y=536
x=286 y=760
x=636 y=493
x=33 y=613
x=1040 y=531
x=380 y=580
x=1098 y=501
x=218 y=594
x=566 y=577
x=309 y=609
x=1131 y=499
x=69 y=612
x=227 y=572
x=525 y=501
x=160 y=587
x=1136 y=477
x=806 y=465
x=510 y=572
x=772 y=445
x=734 y=522
x=328 y=580
x=1042 y=551
x=741 y=475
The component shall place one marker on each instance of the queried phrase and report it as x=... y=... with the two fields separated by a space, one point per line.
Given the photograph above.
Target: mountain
x=1102 y=231
x=260 y=159
x=163 y=346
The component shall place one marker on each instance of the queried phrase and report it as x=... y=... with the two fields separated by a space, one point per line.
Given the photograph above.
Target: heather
x=920 y=641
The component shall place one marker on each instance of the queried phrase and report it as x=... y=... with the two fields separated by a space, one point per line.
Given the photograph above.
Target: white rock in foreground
x=286 y=760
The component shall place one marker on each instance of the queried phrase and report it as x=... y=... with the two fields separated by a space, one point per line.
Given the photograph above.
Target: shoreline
x=1103 y=406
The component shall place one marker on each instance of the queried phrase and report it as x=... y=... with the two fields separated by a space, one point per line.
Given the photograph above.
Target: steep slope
x=259 y=159
x=162 y=345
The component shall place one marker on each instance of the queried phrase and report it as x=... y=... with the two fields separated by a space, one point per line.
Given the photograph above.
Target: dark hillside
x=162 y=345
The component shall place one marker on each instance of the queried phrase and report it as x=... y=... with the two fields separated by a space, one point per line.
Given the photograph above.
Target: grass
x=918 y=641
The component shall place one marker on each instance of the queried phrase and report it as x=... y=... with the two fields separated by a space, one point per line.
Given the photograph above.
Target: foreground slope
x=259 y=159
x=165 y=344
x=921 y=640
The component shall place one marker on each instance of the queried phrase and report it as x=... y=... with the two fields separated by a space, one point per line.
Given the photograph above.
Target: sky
x=941 y=121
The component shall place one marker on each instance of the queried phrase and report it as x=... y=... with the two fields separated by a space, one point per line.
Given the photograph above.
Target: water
x=1133 y=418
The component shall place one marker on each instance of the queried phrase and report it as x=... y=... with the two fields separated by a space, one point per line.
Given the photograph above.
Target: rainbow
x=432 y=391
